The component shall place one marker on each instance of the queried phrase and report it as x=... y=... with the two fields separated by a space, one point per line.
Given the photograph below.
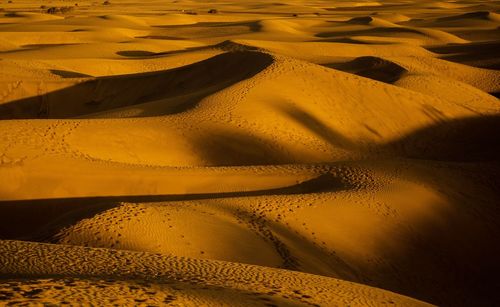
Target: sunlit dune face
x=249 y=153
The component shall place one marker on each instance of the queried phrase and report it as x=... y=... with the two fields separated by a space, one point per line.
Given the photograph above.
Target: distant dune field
x=250 y=153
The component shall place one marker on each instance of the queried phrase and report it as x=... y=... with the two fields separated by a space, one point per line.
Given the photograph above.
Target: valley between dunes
x=250 y=153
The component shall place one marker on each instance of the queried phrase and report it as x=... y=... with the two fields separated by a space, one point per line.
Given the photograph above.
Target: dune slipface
x=250 y=153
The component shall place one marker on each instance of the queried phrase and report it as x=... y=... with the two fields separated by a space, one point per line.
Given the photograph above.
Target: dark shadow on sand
x=108 y=93
x=477 y=54
x=372 y=67
x=472 y=139
x=43 y=218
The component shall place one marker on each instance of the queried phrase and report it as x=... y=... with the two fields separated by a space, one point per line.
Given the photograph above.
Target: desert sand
x=250 y=153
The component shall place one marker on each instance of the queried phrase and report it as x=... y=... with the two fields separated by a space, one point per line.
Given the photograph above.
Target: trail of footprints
x=65 y=291
x=69 y=290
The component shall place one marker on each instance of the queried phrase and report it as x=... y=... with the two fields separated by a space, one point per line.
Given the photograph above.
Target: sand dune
x=157 y=279
x=250 y=153
x=479 y=15
x=110 y=93
x=372 y=67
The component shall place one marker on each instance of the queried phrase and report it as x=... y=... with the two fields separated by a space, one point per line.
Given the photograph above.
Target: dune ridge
x=227 y=283
x=250 y=153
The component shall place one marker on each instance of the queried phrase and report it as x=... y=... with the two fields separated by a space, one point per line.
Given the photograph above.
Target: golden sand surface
x=250 y=153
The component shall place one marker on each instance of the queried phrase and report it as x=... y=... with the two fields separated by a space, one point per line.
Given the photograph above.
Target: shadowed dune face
x=373 y=68
x=481 y=54
x=109 y=93
x=201 y=153
x=45 y=219
x=56 y=214
x=227 y=147
x=317 y=127
x=460 y=140
x=69 y=74
x=325 y=206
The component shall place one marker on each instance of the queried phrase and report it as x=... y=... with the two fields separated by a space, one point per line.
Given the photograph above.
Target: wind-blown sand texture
x=250 y=153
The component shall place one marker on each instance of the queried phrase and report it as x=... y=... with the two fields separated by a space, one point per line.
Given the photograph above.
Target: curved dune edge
x=108 y=93
x=232 y=282
x=360 y=221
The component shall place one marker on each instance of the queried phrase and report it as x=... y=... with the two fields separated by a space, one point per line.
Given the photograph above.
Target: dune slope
x=249 y=153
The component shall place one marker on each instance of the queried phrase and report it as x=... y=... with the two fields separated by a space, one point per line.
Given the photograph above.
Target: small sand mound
x=280 y=26
x=361 y=20
x=442 y=37
x=372 y=21
x=125 y=20
x=374 y=68
x=234 y=46
x=31 y=17
x=358 y=3
x=392 y=17
x=479 y=15
x=441 y=5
